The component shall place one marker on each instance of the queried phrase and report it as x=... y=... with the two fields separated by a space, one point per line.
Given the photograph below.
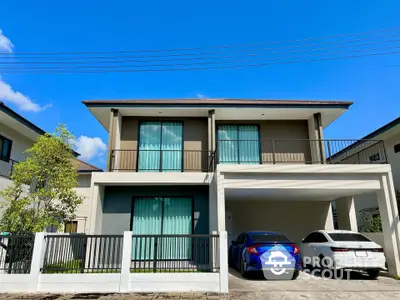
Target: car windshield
x=268 y=238
x=348 y=237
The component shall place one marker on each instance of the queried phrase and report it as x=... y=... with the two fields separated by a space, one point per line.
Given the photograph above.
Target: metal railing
x=7 y=167
x=160 y=160
x=174 y=253
x=80 y=253
x=16 y=254
x=301 y=151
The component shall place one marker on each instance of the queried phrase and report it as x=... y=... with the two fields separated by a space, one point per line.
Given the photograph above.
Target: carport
x=296 y=199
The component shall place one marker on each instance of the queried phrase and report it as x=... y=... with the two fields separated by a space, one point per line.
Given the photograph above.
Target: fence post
x=126 y=262
x=223 y=262
x=39 y=248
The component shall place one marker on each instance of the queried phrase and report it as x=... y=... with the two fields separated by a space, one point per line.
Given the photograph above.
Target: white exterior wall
x=295 y=219
x=19 y=142
x=370 y=200
x=83 y=210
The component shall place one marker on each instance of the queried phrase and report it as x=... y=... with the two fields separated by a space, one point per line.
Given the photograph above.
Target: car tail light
x=338 y=249
x=296 y=249
x=377 y=250
x=252 y=250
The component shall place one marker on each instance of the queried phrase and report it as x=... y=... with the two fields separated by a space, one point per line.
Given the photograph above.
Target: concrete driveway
x=307 y=286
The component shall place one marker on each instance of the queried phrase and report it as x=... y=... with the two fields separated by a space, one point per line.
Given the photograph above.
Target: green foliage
x=42 y=193
x=370 y=223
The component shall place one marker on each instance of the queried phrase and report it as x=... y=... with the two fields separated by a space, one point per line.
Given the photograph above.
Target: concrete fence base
x=123 y=282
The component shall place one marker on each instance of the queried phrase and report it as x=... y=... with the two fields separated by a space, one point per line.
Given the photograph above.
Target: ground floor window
x=71 y=227
x=162 y=216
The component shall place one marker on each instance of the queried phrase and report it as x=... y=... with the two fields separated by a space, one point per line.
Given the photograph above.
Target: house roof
x=33 y=131
x=218 y=102
x=382 y=129
x=84 y=167
x=5 y=109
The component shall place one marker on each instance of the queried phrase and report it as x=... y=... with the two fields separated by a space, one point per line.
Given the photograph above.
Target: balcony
x=301 y=151
x=6 y=168
x=162 y=160
x=278 y=151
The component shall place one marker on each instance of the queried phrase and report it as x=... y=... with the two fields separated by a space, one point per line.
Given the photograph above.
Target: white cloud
x=201 y=96
x=5 y=44
x=90 y=147
x=23 y=102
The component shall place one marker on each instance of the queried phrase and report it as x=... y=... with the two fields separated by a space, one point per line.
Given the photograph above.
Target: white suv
x=342 y=249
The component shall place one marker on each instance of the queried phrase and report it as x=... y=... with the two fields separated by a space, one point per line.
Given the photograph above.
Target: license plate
x=361 y=253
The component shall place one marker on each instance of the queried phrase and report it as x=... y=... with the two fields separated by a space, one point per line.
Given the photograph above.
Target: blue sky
x=46 y=26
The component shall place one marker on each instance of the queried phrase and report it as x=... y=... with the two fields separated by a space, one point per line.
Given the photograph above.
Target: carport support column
x=390 y=223
x=96 y=213
x=346 y=213
x=221 y=202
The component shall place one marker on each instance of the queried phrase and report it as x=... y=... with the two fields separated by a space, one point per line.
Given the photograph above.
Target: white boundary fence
x=123 y=282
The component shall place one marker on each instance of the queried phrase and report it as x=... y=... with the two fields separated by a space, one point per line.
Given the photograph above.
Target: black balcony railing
x=294 y=151
x=174 y=253
x=7 y=167
x=301 y=151
x=162 y=160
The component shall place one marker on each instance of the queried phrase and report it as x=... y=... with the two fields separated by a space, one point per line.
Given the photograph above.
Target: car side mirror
x=302 y=240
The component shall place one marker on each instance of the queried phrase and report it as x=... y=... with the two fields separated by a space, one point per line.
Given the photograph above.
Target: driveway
x=307 y=286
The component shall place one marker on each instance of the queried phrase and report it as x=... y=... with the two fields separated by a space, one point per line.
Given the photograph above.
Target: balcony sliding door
x=238 y=144
x=160 y=147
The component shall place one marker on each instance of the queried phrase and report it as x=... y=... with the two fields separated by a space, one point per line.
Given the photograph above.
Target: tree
x=42 y=193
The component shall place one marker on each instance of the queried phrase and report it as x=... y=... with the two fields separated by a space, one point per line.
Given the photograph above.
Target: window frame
x=372 y=158
x=140 y=123
x=257 y=125
x=396 y=148
x=8 y=156
x=131 y=225
x=72 y=224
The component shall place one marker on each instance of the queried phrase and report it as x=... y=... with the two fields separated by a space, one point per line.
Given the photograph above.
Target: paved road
x=356 y=287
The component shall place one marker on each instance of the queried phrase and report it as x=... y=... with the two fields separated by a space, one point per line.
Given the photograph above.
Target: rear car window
x=268 y=238
x=348 y=237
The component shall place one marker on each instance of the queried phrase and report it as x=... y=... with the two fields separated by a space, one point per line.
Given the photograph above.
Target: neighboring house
x=389 y=136
x=198 y=166
x=17 y=134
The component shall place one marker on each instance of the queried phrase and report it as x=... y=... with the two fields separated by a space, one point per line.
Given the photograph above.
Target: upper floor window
x=238 y=144
x=5 y=148
x=160 y=146
x=374 y=157
x=396 y=148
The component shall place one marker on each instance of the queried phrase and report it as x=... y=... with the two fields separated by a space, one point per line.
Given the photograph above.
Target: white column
x=212 y=204
x=39 y=249
x=96 y=213
x=329 y=225
x=221 y=202
x=346 y=213
x=390 y=224
x=223 y=262
x=117 y=137
x=126 y=262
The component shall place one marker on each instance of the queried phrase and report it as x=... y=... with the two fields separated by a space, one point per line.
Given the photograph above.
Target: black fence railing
x=16 y=254
x=80 y=253
x=174 y=253
x=7 y=167
x=161 y=160
x=301 y=151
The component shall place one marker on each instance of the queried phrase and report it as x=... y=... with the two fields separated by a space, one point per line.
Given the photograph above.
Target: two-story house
x=17 y=134
x=389 y=135
x=199 y=166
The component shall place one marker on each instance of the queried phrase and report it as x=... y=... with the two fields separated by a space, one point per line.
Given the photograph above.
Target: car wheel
x=324 y=263
x=242 y=271
x=295 y=274
x=373 y=274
